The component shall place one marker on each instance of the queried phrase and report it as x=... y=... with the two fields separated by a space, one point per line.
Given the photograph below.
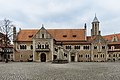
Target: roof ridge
x=64 y=29
x=53 y=29
x=112 y=34
x=29 y=29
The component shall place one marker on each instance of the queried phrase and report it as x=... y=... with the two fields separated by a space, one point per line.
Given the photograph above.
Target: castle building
x=42 y=45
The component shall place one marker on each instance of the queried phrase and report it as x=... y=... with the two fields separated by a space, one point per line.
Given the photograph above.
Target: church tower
x=95 y=27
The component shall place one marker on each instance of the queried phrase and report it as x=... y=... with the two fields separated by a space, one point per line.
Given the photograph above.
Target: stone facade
x=43 y=45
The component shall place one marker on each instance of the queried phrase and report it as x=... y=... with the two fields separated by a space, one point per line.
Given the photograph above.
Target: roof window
x=74 y=35
x=30 y=36
x=64 y=35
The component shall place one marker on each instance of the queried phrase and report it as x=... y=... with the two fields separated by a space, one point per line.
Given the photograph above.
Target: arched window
x=46 y=46
x=39 y=46
x=31 y=46
x=23 y=46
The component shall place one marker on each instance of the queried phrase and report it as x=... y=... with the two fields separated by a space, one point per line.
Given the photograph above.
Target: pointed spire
x=42 y=26
x=95 y=19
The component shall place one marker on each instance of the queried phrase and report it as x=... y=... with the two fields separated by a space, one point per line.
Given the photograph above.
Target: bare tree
x=6 y=28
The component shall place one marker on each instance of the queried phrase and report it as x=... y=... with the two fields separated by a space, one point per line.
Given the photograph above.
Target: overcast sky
x=58 y=14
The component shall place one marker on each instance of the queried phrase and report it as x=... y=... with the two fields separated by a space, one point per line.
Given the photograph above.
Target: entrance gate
x=72 y=57
x=43 y=57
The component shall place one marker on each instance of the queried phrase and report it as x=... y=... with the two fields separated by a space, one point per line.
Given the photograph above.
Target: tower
x=95 y=27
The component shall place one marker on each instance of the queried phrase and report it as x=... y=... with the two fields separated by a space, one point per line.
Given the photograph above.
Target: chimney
x=85 y=27
x=14 y=33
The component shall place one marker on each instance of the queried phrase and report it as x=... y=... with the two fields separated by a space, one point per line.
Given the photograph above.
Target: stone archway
x=72 y=57
x=43 y=57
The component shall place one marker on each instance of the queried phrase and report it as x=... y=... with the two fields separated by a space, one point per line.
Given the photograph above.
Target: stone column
x=39 y=59
x=92 y=55
x=52 y=49
x=33 y=50
x=69 y=57
x=76 y=57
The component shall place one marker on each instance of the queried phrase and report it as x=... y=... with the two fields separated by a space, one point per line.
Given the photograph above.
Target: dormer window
x=74 y=35
x=30 y=36
x=114 y=39
x=64 y=35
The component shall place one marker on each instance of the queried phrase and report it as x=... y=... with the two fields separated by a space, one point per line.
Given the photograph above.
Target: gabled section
x=42 y=33
x=98 y=39
x=42 y=28
x=114 y=39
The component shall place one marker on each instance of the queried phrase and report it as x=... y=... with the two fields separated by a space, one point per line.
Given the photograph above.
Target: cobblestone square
x=70 y=71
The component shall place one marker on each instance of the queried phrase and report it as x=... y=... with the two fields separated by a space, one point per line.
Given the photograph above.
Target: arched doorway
x=43 y=57
x=72 y=57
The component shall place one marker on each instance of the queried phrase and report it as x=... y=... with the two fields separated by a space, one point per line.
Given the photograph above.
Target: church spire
x=95 y=19
x=95 y=27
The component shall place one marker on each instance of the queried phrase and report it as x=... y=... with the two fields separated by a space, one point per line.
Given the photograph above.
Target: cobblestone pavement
x=70 y=71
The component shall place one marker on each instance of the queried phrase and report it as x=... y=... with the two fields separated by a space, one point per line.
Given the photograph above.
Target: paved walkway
x=70 y=71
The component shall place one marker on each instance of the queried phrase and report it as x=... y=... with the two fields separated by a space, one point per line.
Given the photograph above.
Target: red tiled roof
x=64 y=35
x=57 y=34
x=67 y=34
x=26 y=35
x=90 y=39
x=109 y=37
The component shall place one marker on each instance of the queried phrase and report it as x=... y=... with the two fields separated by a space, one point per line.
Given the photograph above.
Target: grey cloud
x=62 y=14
